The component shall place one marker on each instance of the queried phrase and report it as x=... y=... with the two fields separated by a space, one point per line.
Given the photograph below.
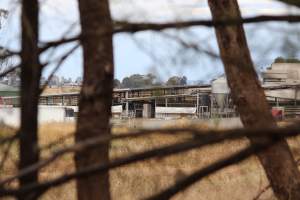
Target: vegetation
x=286 y=60
x=149 y=80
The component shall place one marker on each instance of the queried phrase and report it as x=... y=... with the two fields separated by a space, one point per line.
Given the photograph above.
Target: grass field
x=136 y=181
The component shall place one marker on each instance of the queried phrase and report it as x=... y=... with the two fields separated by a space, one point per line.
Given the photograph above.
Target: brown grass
x=136 y=181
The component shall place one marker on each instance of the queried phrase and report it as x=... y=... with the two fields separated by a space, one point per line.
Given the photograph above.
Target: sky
x=146 y=52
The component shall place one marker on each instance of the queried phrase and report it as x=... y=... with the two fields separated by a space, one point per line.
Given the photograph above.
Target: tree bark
x=96 y=95
x=30 y=80
x=250 y=100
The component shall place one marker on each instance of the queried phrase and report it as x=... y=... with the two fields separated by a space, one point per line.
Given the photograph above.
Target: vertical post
x=296 y=93
x=211 y=105
x=197 y=108
x=166 y=102
x=63 y=100
x=154 y=108
x=127 y=104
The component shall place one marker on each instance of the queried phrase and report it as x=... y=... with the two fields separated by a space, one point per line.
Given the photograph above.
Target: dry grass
x=135 y=181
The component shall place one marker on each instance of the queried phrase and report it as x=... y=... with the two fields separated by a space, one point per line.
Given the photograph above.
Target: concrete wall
x=47 y=114
x=10 y=116
x=52 y=114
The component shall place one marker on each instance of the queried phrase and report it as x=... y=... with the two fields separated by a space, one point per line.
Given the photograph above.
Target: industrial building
x=6 y=90
x=280 y=81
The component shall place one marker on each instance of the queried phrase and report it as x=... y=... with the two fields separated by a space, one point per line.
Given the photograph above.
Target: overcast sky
x=132 y=55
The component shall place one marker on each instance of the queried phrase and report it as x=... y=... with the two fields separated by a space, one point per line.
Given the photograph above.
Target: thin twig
x=266 y=188
x=5 y=154
x=128 y=27
x=198 y=175
x=58 y=65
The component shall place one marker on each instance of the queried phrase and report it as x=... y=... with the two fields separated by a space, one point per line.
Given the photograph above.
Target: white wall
x=11 y=116
x=51 y=114
x=47 y=114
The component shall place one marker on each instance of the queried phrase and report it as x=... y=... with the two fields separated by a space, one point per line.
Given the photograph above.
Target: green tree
x=177 y=80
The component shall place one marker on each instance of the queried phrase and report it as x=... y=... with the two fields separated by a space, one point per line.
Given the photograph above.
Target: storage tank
x=220 y=91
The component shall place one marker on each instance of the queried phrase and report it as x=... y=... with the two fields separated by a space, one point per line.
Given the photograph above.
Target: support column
x=127 y=104
x=197 y=108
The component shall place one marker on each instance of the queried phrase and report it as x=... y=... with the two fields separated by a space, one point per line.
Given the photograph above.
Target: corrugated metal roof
x=4 y=87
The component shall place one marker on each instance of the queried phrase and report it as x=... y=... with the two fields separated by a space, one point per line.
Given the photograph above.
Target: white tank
x=219 y=86
x=220 y=91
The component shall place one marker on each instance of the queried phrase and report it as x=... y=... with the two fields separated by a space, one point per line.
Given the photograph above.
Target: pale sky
x=131 y=55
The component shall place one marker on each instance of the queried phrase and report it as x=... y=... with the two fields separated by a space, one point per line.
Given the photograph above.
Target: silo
x=220 y=91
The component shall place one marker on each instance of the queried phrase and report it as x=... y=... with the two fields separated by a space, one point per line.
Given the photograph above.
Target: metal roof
x=4 y=87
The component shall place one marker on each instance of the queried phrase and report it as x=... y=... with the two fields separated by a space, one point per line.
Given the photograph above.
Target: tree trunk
x=30 y=79
x=96 y=95
x=250 y=100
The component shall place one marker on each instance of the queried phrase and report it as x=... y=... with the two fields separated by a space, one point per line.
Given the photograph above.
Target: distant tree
x=286 y=60
x=177 y=80
x=78 y=80
x=54 y=81
x=150 y=79
x=117 y=83
x=126 y=83
x=138 y=81
x=183 y=80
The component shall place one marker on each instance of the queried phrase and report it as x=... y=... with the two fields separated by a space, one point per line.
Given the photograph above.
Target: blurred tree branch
x=291 y=2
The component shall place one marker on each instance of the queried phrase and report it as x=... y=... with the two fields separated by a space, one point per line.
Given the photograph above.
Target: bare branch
x=58 y=65
x=291 y=2
x=198 y=175
x=191 y=45
x=9 y=138
x=89 y=143
x=10 y=70
x=123 y=26
x=266 y=188
x=5 y=154
x=135 y=27
x=55 y=43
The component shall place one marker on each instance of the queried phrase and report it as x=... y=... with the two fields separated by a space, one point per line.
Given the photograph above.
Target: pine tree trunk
x=30 y=79
x=250 y=100
x=96 y=95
